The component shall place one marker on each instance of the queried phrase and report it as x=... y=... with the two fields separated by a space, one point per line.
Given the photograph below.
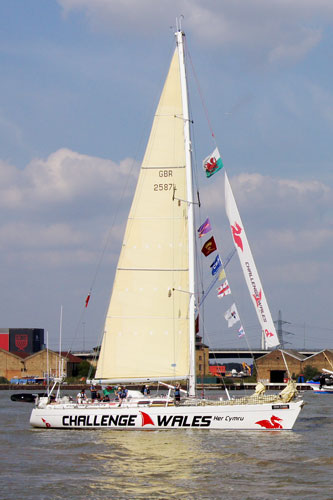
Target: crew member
x=122 y=395
x=81 y=397
x=177 y=394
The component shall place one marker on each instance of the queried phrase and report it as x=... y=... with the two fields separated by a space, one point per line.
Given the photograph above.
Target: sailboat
x=149 y=333
x=322 y=383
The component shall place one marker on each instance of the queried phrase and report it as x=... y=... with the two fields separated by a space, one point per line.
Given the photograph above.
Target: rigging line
x=199 y=285
x=285 y=362
x=125 y=186
x=108 y=237
x=106 y=244
x=200 y=94
x=251 y=352
x=225 y=263
x=329 y=361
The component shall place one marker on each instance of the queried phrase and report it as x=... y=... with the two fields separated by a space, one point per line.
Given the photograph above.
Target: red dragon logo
x=211 y=165
x=236 y=231
x=273 y=423
x=146 y=419
x=257 y=298
x=46 y=423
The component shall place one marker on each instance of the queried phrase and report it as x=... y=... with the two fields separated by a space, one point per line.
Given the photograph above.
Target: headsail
x=249 y=268
x=147 y=325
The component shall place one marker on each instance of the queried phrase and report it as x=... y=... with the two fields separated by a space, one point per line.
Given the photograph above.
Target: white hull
x=267 y=416
x=324 y=389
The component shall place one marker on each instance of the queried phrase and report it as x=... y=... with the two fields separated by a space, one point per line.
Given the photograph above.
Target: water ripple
x=100 y=464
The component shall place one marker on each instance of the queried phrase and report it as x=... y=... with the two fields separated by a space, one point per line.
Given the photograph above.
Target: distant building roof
x=320 y=352
x=294 y=353
x=71 y=357
x=290 y=352
x=21 y=354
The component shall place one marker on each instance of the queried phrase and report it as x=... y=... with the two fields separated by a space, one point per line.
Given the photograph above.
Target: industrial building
x=22 y=340
x=21 y=365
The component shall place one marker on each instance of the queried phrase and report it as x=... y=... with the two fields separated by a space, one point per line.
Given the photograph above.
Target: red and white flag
x=224 y=289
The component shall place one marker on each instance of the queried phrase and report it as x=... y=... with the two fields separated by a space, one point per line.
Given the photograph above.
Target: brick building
x=18 y=340
x=320 y=360
x=201 y=357
x=11 y=365
x=21 y=365
x=271 y=366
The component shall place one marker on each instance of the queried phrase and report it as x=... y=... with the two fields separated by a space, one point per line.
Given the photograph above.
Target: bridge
x=217 y=353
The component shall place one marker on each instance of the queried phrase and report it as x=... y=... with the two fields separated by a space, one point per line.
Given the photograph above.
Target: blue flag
x=216 y=265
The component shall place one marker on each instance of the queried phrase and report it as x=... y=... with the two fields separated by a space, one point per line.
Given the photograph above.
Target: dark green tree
x=85 y=369
x=310 y=372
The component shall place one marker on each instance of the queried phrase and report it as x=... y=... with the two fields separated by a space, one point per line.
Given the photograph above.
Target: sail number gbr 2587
x=165 y=186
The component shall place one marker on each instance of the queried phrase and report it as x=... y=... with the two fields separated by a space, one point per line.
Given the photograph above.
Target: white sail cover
x=147 y=326
x=249 y=268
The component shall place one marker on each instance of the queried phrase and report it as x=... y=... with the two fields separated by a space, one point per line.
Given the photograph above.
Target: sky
x=79 y=84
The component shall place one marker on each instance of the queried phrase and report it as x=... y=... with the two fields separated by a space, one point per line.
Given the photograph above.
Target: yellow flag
x=222 y=275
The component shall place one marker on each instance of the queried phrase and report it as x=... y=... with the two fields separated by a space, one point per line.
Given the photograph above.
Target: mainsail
x=249 y=268
x=147 y=325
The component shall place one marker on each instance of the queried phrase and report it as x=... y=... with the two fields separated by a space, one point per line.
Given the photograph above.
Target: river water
x=172 y=464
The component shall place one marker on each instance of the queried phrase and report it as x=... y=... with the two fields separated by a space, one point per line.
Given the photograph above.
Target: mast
x=188 y=162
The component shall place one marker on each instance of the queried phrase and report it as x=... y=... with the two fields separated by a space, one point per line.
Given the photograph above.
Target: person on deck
x=81 y=397
x=321 y=381
x=177 y=394
x=93 y=391
x=122 y=395
x=145 y=390
x=116 y=393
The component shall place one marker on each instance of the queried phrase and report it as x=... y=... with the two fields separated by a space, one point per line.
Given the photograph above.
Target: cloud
x=284 y=218
x=322 y=102
x=64 y=178
x=306 y=240
x=282 y=30
x=257 y=190
x=45 y=239
x=58 y=210
x=296 y=47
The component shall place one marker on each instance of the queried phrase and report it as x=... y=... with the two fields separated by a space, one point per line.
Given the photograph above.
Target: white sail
x=147 y=326
x=249 y=268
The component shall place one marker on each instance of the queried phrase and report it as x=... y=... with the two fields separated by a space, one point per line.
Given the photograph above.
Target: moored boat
x=323 y=383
